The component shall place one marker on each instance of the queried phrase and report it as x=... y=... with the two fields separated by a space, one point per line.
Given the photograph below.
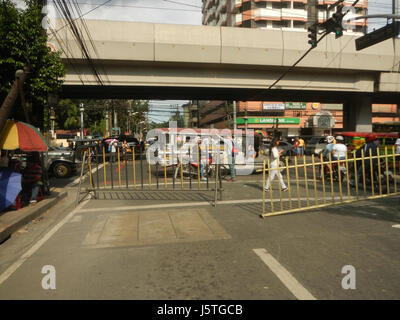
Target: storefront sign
x=269 y=120
x=295 y=105
x=274 y=106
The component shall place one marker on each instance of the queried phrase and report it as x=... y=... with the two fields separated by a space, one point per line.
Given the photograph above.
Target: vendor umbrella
x=20 y=135
x=10 y=186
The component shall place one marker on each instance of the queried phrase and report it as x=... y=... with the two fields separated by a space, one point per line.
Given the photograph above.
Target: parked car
x=315 y=145
x=61 y=162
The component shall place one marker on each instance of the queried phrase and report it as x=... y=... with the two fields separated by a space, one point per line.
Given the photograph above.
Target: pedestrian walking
x=275 y=154
x=296 y=146
x=301 y=148
x=113 y=149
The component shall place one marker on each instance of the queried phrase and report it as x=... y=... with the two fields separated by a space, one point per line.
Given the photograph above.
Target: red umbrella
x=20 y=135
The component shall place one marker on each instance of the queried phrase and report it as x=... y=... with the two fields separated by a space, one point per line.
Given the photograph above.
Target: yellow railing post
x=355 y=173
x=165 y=169
x=288 y=180
x=263 y=190
x=347 y=178
x=394 y=169
x=134 y=167
x=149 y=162
x=198 y=166
x=315 y=180
x=363 y=172
x=371 y=172
x=181 y=165
x=119 y=168
x=297 y=183
x=270 y=186
x=90 y=168
x=378 y=154
x=387 y=171
x=306 y=180
x=323 y=177
x=104 y=167
x=331 y=176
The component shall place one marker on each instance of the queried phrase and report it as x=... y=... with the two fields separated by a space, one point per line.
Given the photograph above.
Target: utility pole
x=245 y=117
x=9 y=101
x=107 y=122
x=234 y=116
x=81 y=109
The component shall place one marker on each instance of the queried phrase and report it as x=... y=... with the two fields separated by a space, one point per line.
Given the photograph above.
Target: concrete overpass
x=166 y=61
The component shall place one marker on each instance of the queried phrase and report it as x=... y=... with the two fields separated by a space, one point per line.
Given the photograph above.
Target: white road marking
x=6 y=274
x=396 y=226
x=186 y=204
x=285 y=276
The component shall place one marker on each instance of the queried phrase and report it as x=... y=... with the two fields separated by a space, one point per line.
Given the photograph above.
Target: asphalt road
x=175 y=248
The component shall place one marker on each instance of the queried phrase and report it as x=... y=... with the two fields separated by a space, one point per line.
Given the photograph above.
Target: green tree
x=23 y=43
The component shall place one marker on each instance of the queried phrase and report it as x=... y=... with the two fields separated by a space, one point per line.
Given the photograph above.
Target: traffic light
x=337 y=26
x=334 y=24
x=312 y=34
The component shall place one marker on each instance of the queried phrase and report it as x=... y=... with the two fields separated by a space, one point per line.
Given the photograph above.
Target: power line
x=139 y=7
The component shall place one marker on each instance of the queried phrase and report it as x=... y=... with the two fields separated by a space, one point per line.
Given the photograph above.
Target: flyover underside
x=206 y=93
x=220 y=82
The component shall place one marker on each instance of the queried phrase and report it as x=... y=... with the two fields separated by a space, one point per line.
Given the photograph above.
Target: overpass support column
x=357 y=114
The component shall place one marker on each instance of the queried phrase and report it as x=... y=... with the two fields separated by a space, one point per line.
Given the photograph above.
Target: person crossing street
x=275 y=155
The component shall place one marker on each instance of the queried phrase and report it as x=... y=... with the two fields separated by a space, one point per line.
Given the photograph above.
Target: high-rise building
x=273 y=14
x=295 y=118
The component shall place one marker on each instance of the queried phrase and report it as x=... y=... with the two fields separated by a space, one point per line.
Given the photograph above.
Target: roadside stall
x=19 y=142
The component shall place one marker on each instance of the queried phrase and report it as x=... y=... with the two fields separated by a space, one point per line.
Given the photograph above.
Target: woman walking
x=274 y=154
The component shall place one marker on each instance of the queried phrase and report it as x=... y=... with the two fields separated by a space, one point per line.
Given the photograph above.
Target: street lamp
x=81 y=109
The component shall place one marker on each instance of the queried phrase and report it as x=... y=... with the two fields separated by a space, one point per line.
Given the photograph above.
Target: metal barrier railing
x=330 y=181
x=130 y=171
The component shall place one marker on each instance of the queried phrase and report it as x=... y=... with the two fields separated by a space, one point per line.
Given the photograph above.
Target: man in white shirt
x=397 y=144
x=274 y=155
x=339 y=150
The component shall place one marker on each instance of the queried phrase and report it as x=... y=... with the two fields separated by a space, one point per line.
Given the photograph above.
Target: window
x=261 y=24
x=280 y=24
x=299 y=5
x=299 y=24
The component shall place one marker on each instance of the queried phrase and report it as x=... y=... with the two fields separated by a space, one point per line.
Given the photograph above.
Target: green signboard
x=295 y=105
x=269 y=120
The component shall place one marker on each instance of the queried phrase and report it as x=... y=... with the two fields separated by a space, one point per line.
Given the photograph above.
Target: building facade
x=274 y=14
x=294 y=118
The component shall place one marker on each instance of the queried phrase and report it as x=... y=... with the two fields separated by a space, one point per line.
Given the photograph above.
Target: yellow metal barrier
x=376 y=173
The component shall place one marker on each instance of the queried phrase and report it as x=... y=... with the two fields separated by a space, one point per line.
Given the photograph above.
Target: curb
x=12 y=221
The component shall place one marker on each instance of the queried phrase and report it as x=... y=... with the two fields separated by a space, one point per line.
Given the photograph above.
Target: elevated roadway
x=146 y=60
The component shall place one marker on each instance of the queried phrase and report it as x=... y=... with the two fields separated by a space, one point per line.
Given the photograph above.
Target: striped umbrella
x=20 y=135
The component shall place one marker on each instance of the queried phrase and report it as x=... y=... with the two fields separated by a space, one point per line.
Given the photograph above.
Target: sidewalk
x=11 y=221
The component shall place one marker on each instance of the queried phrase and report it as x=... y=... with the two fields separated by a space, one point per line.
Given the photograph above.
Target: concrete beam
x=137 y=41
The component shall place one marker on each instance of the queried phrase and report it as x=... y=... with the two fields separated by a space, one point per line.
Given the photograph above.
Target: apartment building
x=273 y=14
x=295 y=118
